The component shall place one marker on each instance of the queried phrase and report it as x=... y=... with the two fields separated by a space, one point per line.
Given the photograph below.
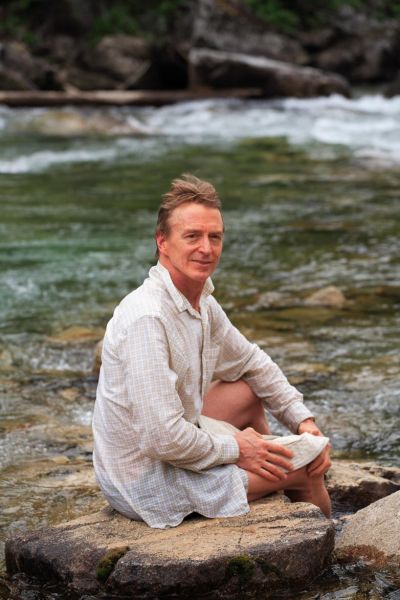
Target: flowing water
x=311 y=199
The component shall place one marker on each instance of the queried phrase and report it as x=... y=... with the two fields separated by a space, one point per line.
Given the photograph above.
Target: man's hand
x=262 y=457
x=320 y=465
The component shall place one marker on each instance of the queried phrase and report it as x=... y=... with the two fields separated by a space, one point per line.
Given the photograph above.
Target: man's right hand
x=263 y=457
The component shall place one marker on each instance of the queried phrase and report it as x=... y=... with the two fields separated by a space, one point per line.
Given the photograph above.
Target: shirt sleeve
x=240 y=359
x=157 y=411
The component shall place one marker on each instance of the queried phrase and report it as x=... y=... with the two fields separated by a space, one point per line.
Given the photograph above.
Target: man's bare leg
x=298 y=486
x=237 y=404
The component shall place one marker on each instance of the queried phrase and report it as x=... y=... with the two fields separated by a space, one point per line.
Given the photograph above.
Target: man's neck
x=192 y=290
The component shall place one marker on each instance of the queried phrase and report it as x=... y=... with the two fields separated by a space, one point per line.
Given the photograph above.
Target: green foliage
x=13 y=20
x=289 y=15
x=115 y=19
x=275 y=12
x=130 y=17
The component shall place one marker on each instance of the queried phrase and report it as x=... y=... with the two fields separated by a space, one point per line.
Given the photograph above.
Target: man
x=171 y=355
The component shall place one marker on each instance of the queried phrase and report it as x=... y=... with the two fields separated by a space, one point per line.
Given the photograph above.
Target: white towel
x=305 y=447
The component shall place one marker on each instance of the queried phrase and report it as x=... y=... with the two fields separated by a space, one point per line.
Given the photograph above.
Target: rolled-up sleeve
x=158 y=420
x=240 y=359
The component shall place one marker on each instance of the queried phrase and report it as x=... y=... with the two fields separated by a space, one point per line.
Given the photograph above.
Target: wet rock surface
x=278 y=545
x=354 y=485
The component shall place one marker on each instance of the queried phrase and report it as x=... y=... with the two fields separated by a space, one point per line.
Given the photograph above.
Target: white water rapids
x=367 y=128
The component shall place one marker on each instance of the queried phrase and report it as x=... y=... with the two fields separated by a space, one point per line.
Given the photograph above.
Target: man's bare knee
x=236 y=403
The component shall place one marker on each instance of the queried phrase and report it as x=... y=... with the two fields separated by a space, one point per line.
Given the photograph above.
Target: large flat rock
x=278 y=545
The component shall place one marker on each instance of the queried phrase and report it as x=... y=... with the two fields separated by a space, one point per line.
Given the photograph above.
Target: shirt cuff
x=229 y=448
x=295 y=414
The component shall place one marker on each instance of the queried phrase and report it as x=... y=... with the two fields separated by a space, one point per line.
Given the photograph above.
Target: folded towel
x=305 y=447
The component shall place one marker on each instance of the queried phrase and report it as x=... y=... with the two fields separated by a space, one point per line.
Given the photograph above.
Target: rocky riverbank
x=277 y=546
x=210 y=45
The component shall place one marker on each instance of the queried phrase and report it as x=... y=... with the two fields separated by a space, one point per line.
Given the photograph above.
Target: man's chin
x=202 y=273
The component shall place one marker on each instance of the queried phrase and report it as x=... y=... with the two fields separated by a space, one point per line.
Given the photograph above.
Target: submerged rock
x=77 y=334
x=329 y=296
x=278 y=545
x=373 y=534
x=68 y=123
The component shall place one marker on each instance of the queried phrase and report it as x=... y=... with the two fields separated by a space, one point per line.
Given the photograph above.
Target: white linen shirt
x=151 y=459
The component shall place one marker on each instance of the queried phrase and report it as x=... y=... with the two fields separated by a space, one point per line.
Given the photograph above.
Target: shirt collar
x=160 y=273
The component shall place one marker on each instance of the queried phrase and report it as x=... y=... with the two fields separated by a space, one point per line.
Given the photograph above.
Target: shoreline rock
x=352 y=48
x=373 y=534
x=217 y=69
x=276 y=543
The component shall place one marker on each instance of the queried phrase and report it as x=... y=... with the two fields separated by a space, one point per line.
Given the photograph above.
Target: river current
x=310 y=190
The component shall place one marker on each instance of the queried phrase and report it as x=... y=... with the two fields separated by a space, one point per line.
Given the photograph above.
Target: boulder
x=126 y=59
x=12 y=80
x=232 y=27
x=231 y=69
x=278 y=545
x=365 y=49
x=329 y=296
x=76 y=78
x=355 y=485
x=373 y=534
x=23 y=71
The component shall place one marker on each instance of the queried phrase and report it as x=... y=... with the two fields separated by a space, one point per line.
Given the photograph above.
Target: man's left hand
x=320 y=465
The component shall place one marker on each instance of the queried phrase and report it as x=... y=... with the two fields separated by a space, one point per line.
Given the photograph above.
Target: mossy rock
x=106 y=564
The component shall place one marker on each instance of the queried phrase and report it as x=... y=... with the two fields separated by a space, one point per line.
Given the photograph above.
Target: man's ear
x=160 y=241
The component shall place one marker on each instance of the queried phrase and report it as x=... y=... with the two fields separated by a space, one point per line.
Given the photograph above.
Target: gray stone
x=230 y=69
x=124 y=58
x=365 y=49
x=12 y=80
x=373 y=534
x=233 y=27
x=22 y=69
x=278 y=545
x=355 y=485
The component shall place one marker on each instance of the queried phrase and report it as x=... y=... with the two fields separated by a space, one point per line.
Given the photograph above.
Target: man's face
x=192 y=249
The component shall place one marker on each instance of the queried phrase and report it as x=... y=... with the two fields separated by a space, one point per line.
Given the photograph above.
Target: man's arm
x=157 y=411
x=240 y=359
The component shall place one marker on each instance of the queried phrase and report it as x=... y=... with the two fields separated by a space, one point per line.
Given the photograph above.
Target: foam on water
x=368 y=127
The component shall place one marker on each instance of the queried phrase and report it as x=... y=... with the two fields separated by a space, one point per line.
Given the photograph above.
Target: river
x=310 y=190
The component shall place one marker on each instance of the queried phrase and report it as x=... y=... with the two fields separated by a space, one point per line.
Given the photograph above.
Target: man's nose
x=205 y=245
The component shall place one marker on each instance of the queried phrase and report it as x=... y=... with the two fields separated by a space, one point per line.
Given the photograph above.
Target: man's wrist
x=310 y=421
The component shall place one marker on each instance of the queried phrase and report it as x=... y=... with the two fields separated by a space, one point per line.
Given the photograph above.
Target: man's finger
x=267 y=473
x=277 y=459
x=320 y=465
